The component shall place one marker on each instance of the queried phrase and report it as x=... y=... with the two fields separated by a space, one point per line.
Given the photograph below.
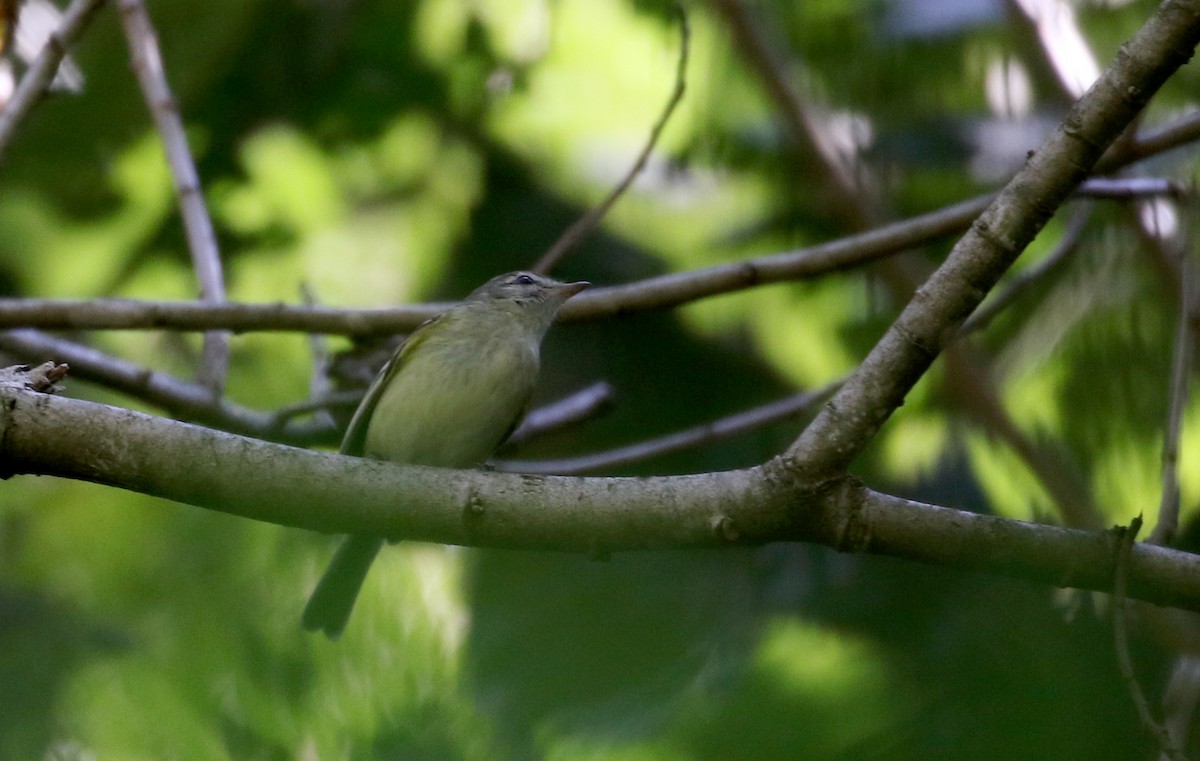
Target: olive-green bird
x=449 y=396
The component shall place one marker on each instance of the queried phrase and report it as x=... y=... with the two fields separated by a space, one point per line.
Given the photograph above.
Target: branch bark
x=41 y=434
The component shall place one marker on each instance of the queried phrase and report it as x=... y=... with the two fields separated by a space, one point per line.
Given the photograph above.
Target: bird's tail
x=329 y=608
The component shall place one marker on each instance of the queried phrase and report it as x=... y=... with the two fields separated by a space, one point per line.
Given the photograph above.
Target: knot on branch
x=845 y=501
x=43 y=379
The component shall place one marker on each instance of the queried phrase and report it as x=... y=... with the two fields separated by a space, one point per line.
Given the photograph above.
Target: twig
x=1125 y=538
x=1180 y=698
x=853 y=189
x=178 y=397
x=1129 y=187
x=41 y=73
x=43 y=378
x=716 y=430
x=650 y=294
x=1152 y=142
x=318 y=404
x=193 y=402
x=1181 y=366
x=319 y=386
x=571 y=409
x=202 y=240
x=585 y=224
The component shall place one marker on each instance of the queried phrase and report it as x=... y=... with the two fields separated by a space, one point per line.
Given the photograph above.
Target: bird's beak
x=570 y=289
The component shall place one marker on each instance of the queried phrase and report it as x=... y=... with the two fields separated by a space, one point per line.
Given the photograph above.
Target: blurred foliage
x=384 y=152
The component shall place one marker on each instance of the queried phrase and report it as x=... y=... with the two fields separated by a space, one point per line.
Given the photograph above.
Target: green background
x=389 y=152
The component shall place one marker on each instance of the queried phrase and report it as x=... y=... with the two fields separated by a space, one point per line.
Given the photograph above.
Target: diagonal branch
x=993 y=243
x=585 y=224
x=39 y=76
x=716 y=430
x=202 y=239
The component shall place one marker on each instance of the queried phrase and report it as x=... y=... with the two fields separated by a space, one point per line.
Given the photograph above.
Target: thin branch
x=190 y=401
x=570 y=410
x=646 y=295
x=1180 y=699
x=177 y=397
x=587 y=223
x=688 y=438
x=651 y=294
x=319 y=383
x=1122 y=188
x=318 y=404
x=1125 y=541
x=1181 y=367
x=853 y=190
x=202 y=240
x=1063 y=45
x=41 y=73
x=1158 y=140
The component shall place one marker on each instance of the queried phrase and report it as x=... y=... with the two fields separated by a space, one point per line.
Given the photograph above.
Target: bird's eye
x=523 y=280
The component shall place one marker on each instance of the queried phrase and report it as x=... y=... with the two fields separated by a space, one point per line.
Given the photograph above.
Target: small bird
x=449 y=396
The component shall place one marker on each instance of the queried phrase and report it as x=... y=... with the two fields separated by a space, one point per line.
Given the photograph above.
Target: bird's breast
x=452 y=404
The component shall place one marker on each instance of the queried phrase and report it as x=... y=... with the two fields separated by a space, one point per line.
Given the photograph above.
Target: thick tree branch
x=304 y=489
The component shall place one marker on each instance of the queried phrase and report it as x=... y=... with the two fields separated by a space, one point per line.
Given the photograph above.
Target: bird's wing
x=356 y=432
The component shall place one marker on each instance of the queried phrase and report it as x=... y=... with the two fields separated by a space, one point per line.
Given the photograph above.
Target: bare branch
x=1158 y=140
x=305 y=489
x=1180 y=699
x=319 y=385
x=587 y=223
x=853 y=190
x=128 y=314
x=689 y=438
x=1181 y=370
x=41 y=74
x=650 y=294
x=570 y=410
x=1129 y=187
x=178 y=397
x=202 y=240
x=1061 y=40
x=1120 y=610
x=318 y=404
